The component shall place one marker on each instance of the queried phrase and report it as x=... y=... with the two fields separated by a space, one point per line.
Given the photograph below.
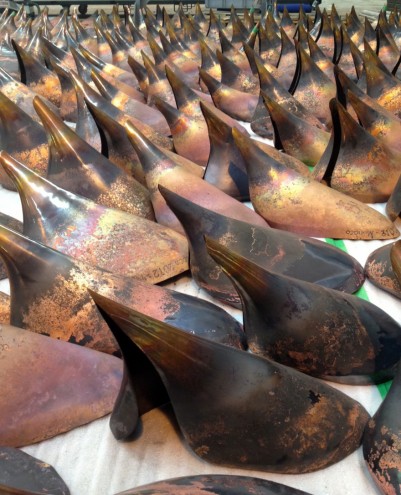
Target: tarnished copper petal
x=83 y=389
x=20 y=471
x=334 y=335
x=382 y=441
x=379 y=270
x=285 y=198
x=217 y=435
x=98 y=235
x=74 y=165
x=294 y=135
x=214 y=484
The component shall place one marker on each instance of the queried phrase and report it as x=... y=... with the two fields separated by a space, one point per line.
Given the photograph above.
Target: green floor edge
x=383 y=387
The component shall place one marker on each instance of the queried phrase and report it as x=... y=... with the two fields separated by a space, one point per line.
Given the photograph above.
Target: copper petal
x=217 y=434
x=37 y=77
x=319 y=331
x=359 y=164
x=4 y=308
x=22 y=474
x=385 y=89
x=132 y=107
x=65 y=386
x=379 y=270
x=314 y=89
x=74 y=165
x=13 y=224
x=98 y=235
x=22 y=137
x=238 y=104
x=160 y=169
x=278 y=250
x=225 y=168
x=214 y=484
x=285 y=198
x=380 y=123
x=294 y=135
x=381 y=441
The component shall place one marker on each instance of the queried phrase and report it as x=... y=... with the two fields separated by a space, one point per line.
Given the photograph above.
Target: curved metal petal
x=4 y=308
x=217 y=434
x=214 y=484
x=101 y=236
x=64 y=385
x=294 y=135
x=23 y=138
x=381 y=124
x=317 y=330
x=75 y=166
x=237 y=104
x=314 y=89
x=160 y=169
x=37 y=77
x=21 y=474
x=285 y=198
x=359 y=164
x=379 y=270
x=381 y=441
x=11 y=223
x=273 y=249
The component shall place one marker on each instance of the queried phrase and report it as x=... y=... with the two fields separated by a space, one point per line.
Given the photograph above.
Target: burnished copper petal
x=21 y=137
x=86 y=126
x=64 y=385
x=385 y=89
x=378 y=122
x=4 y=308
x=237 y=104
x=235 y=78
x=95 y=99
x=75 y=166
x=382 y=439
x=395 y=257
x=269 y=45
x=225 y=168
x=294 y=135
x=64 y=57
x=115 y=86
x=379 y=271
x=325 y=39
x=18 y=93
x=190 y=136
x=388 y=51
x=209 y=367
x=273 y=249
x=11 y=223
x=160 y=169
x=68 y=104
x=261 y=121
x=21 y=474
x=37 y=77
x=214 y=484
x=359 y=164
x=334 y=335
x=288 y=58
x=350 y=61
x=158 y=84
x=134 y=108
x=285 y=199
x=314 y=89
x=96 y=234
x=120 y=74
